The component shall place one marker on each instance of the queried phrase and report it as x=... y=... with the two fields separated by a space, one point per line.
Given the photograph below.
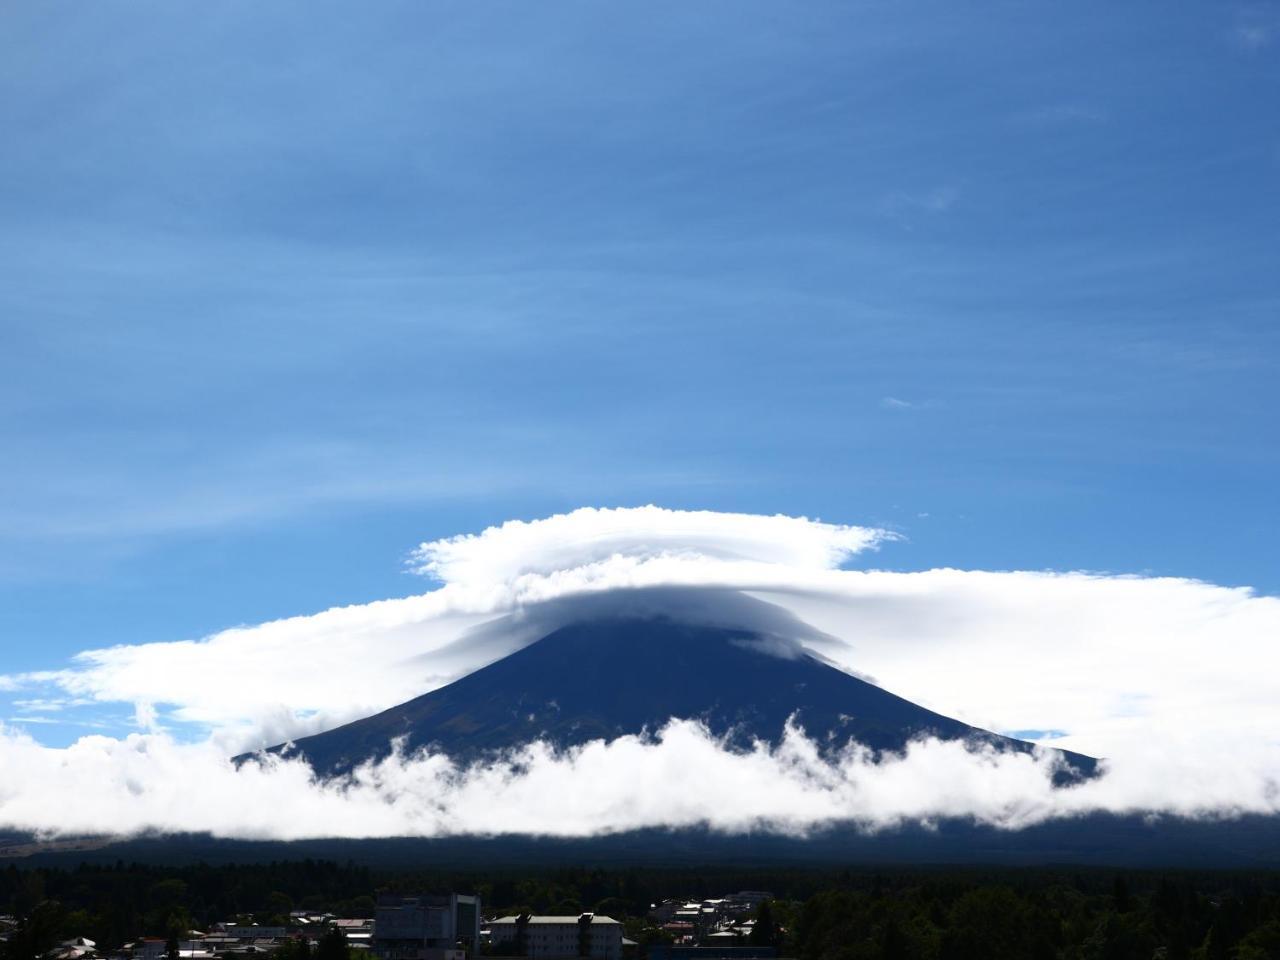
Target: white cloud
x=681 y=778
x=1174 y=681
x=933 y=202
x=1255 y=36
x=1064 y=113
x=49 y=705
x=1256 y=26
x=587 y=536
x=287 y=678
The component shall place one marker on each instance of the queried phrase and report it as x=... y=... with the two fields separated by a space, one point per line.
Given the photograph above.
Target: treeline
x=907 y=914
x=116 y=903
x=943 y=919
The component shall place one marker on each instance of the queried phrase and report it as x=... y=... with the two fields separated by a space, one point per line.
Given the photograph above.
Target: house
x=586 y=935
x=78 y=948
x=358 y=933
x=682 y=932
x=148 y=948
x=219 y=943
x=665 y=911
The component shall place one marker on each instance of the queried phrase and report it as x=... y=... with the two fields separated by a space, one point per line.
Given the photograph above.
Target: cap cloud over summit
x=1158 y=675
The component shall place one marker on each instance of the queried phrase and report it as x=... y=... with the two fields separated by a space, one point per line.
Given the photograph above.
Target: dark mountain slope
x=609 y=677
x=1099 y=839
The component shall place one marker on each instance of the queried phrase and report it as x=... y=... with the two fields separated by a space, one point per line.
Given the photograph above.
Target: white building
x=426 y=927
x=599 y=938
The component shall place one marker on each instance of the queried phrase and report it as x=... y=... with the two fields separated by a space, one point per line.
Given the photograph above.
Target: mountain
x=608 y=677
x=1098 y=839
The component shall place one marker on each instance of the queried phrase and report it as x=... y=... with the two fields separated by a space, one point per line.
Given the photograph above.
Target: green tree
x=522 y=934
x=644 y=933
x=279 y=905
x=39 y=931
x=332 y=946
x=893 y=942
x=1263 y=943
x=1120 y=898
x=764 y=933
x=615 y=907
x=298 y=948
x=990 y=923
x=1117 y=937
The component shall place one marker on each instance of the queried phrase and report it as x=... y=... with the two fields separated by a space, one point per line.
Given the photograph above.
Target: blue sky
x=286 y=289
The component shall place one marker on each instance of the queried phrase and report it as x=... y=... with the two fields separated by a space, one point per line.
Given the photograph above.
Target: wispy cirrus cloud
x=1257 y=25
x=50 y=705
x=932 y=202
x=896 y=403
x=1066 y=113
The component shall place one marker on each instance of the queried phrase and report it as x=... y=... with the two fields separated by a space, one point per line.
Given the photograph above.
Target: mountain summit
x=601 y=679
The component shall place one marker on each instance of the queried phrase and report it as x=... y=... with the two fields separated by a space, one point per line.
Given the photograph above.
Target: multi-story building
x=547 y=937
x=426 y=927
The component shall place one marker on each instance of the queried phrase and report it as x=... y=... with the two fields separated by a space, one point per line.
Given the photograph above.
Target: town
x=441 y=927
x=314 y=909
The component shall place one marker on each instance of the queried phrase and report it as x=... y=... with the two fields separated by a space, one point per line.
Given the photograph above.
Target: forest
x=850 y=914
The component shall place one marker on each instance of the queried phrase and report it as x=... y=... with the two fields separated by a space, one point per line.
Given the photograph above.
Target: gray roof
x=552 y=919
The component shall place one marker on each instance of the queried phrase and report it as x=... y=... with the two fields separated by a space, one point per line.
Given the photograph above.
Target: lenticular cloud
x=586 y=538
x=1172 y=681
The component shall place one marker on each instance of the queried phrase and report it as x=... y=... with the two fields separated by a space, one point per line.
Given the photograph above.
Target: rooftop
x=597 y=918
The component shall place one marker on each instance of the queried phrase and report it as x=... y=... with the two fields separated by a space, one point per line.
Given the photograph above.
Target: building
x=251 y=931
x=667 y=951
x=665 y=911
x=78 y=948
x=681 y=931
x=426 y=927
x=587 y=935
x=357 y=933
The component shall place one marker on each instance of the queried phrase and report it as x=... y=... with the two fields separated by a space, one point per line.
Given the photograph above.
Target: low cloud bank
x=1173 y=680
x=682 y=777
